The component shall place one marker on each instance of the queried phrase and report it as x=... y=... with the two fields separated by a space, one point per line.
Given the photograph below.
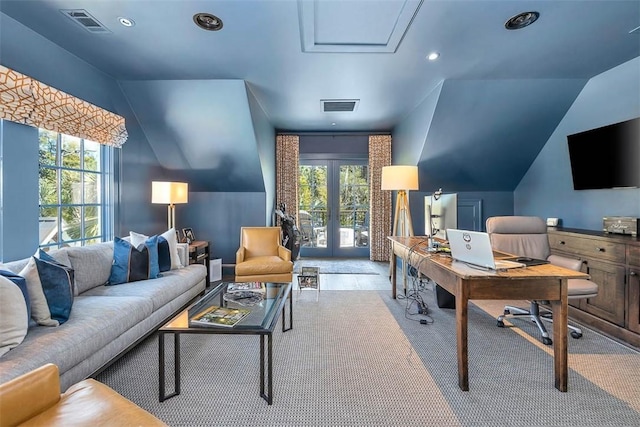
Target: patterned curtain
x=27 y=101
x=287 y=155
x=380 y=201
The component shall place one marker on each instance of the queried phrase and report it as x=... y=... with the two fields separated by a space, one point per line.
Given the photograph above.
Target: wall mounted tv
x=606 y=157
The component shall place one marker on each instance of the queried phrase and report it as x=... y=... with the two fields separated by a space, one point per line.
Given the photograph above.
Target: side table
x=199 y=253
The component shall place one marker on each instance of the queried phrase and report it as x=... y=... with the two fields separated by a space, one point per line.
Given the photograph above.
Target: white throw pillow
x=169 y=236
x=14 y=318
x=39 y=307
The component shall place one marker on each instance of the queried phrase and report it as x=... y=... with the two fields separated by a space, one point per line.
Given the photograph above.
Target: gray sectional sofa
x=104 y=320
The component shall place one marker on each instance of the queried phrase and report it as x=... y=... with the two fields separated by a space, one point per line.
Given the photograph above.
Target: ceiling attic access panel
x=355 y=26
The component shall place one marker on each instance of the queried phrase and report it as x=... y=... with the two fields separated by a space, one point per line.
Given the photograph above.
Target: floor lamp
x=401 y=179
x=169 y=193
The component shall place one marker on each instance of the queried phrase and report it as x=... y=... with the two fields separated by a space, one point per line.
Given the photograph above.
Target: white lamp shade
x=169 y=193
x=400 y=178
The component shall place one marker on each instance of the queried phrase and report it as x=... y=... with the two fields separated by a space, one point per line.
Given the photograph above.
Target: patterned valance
x=30 y=102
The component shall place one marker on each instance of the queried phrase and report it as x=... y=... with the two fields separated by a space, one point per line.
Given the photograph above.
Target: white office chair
x=526 y=236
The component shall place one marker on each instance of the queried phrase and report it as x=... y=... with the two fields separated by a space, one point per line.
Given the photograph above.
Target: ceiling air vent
x=339 y=105
x=85 y=20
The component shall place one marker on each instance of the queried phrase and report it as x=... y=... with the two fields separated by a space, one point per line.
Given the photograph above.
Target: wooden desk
x=199 y=253
x=543 y=282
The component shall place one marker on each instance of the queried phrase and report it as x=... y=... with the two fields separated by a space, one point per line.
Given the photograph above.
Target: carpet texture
x=342 y=266
x=356 y=358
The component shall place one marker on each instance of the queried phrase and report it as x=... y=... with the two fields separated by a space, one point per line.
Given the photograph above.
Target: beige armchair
x=261 y=256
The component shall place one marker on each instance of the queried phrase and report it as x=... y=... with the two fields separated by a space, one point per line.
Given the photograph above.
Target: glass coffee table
x=259 y=319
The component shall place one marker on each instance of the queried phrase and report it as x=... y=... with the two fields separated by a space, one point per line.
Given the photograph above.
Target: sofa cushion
x=91 y=264
x=131 y=263
x=14 y=319
x=57 y=284
x=94 y=323
x=160 y=291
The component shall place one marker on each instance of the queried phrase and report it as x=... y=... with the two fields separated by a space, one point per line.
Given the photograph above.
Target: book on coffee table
x=220 y=316
x=246 y=287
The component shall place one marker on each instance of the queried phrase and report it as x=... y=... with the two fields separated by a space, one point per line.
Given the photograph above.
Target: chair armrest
x=30 y=394
x=284 y=253
x=183 y=253
x=561 y=261
x=240 y=255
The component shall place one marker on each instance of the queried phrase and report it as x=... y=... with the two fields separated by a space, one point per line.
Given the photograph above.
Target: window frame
x=105 y=182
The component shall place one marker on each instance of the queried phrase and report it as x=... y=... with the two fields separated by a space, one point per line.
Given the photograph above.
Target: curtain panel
x=380 y=201
x=287 y=160
x=27 y=101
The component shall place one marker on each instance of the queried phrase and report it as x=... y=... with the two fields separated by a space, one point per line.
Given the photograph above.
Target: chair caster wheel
x=506 y=311
x=500 y=324
x=546 y=341
x=575 y=334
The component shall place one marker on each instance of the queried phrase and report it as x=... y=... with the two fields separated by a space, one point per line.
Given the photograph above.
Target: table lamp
x=401 y=179
x=169 y=193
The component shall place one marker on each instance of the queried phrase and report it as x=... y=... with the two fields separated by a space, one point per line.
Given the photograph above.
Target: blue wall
x=547 y=188
x=27 y=52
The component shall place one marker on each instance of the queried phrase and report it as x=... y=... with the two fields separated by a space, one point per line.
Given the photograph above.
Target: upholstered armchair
x=261 y=256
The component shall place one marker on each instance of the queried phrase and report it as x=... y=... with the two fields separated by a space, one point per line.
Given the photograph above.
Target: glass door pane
x=353 y=209
x=313 y=209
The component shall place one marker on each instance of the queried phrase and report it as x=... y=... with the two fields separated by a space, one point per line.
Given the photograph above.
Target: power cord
x=415 y=303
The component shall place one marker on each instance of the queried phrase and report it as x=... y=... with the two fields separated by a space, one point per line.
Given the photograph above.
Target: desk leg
x=392 y=267
x=560 y=312
x=462 y=302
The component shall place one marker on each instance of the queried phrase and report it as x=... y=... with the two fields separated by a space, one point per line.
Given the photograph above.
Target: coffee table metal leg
x=284 y=328
x=269 y=395
x=161 y=366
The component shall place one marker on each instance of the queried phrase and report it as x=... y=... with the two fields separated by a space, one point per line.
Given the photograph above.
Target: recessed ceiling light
x=433 y=56
x=521 y=20
x=333 y=124
x=207 y=21
x=127 y=22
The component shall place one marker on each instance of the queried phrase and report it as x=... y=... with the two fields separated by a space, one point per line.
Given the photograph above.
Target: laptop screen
x=473 y=247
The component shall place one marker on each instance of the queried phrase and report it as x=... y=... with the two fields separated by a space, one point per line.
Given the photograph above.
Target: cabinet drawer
x=593 y=248
x=633 y=256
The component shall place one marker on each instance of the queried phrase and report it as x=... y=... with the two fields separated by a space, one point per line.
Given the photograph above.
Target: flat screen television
x=606 y=157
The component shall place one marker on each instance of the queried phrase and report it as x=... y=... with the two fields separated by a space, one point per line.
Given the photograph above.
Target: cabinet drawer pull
x=599 y=249
x=561 y=242
x=633 y=273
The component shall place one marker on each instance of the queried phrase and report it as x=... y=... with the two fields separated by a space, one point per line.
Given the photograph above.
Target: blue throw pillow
x=57 y=284
x=131 y=264
x=164 y=254
x=21 y=282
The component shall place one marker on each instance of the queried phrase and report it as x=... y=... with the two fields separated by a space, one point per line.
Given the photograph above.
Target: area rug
x=341 y=265
x=361 y=358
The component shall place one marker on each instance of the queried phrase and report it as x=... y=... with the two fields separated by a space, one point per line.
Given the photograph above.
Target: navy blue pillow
x=21 y=282
x=131 y=264
x=164 y=256
x=57 y=284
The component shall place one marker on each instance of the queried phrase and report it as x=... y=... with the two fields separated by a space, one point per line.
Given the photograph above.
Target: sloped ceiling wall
x=484 y=134
x=200 y=130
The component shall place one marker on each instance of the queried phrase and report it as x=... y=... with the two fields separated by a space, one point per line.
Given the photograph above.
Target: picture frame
x=188 y=235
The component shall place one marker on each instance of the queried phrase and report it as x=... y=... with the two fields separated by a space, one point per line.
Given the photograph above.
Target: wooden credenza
x=613 y=262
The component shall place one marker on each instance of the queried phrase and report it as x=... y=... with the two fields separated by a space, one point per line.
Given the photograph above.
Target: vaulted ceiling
x=494 y=95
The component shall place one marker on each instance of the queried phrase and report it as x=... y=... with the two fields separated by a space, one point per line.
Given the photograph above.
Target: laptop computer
x=474 y=248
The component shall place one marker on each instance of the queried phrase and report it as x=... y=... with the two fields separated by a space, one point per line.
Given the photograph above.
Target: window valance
x=30 y=102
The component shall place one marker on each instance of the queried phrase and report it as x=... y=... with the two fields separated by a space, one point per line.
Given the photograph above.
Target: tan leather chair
x=526 y=236
x=261 y=256
x=34 y=399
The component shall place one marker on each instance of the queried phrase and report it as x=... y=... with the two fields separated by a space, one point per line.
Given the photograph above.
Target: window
x=75 y=183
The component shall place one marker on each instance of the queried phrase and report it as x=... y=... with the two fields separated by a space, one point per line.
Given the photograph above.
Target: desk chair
x=527 y=236
x=261 y=256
